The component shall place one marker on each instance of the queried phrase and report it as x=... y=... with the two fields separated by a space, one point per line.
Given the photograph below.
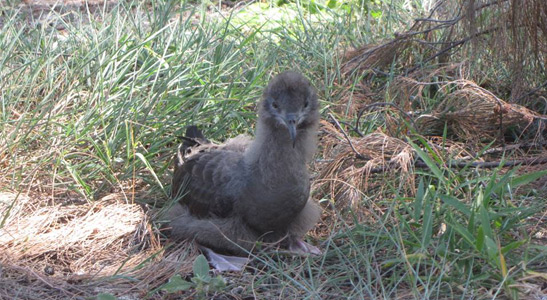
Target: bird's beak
x=290 y=121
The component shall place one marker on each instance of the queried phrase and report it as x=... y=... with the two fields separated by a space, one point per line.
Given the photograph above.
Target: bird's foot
x=224 y=263
x=300 y=247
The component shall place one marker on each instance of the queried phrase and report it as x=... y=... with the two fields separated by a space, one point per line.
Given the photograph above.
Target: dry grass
x=475 y=114
x=502 y=42
x=349 y=170
x=83 y=249
x=370 y=56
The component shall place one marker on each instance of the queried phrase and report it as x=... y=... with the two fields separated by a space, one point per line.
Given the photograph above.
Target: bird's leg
x=305 y=221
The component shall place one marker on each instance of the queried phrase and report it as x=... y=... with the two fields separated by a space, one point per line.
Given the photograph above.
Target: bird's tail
x=193 y=132
x=193 y=137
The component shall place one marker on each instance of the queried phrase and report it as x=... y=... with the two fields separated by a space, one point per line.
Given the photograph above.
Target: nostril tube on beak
x=290 y=121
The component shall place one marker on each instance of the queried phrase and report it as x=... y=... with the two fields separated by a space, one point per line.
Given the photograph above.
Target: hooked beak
x=290 y=121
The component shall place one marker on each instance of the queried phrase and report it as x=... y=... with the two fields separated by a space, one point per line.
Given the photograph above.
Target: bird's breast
x=272 y=206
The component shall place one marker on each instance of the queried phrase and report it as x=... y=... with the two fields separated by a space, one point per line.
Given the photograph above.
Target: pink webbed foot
x=300 y=247
x=224 y=263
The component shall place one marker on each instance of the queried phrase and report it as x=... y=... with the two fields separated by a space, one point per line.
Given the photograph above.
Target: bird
x=245 y=191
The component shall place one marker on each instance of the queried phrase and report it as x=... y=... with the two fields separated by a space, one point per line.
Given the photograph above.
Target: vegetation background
x=431 y=169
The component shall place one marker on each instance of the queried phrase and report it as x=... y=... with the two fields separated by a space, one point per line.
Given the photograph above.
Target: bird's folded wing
x=210 y=177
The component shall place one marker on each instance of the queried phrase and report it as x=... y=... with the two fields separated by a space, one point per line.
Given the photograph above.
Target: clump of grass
x=105 y=98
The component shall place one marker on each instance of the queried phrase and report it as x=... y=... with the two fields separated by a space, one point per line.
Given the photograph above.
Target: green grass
x=97 y=107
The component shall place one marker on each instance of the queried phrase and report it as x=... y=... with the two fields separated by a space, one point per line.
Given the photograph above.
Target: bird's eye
x=274 y=105
x=306 y=104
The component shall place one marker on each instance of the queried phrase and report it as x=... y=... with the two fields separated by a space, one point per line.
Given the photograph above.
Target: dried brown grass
x=82 y=250
x=370 y=56
x=473 y=113
x=502 y=43
x=346 y=177
x=352 y=99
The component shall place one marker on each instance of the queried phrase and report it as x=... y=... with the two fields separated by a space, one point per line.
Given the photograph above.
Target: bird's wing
x=205 y=176
x=239 y=144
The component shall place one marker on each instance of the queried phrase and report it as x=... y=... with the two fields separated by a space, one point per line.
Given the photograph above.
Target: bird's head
x=290 y=102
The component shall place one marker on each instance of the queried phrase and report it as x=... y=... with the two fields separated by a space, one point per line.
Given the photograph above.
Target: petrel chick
x=243 y=191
